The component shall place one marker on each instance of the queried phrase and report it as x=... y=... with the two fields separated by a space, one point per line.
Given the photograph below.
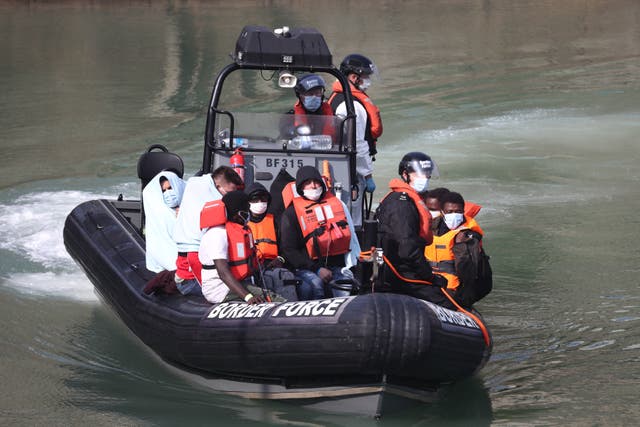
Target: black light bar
x=281 y=48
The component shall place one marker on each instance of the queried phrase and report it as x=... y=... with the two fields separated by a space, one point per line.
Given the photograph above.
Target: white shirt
x=214 y=245
x=187 y=233
x=364 y=164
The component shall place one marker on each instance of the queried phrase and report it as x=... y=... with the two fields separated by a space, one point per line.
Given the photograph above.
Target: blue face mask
x=420 y=184
x=170 y=198
x=312 y=103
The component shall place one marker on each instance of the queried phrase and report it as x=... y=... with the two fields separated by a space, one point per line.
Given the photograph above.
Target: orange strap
x=365 y=255
x=401 y=277
x=483 y=328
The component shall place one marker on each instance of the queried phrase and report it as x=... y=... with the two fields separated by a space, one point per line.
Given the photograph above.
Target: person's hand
x=256 y=299
x=370 y=185
x=464 y=236
x=325 y=274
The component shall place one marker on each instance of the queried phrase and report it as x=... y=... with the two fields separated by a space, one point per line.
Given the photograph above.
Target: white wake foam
x=32 y=226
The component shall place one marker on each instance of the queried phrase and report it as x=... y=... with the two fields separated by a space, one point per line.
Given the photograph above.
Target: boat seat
x=151 y=162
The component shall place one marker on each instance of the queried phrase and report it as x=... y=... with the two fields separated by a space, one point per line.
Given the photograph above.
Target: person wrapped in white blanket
x=161 y=198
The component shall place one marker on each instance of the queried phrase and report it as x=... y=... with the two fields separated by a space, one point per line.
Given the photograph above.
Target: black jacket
x=398 y=231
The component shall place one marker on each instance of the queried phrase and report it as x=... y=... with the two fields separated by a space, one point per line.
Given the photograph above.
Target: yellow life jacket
x=440 y=252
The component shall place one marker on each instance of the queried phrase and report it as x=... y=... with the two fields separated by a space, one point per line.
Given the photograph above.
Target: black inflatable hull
x=350 y=346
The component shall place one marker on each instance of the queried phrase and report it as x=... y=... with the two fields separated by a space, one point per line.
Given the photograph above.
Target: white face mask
x=258 y=208
x=453 y=220
x=313 y=193
x=420 y=184
x=365 y=83
x=435 y=214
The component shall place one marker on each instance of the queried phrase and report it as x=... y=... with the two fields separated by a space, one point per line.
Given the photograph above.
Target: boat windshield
x=281 y=132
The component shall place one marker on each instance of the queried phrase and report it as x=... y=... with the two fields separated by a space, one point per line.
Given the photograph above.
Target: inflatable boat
x=352 y=354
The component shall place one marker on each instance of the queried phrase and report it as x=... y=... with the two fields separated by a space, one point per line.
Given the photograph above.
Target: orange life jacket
x=471 y=209
x=324 y=225
x=373 y=112
x=440 y=252
x=241 y=253
x=264 y=235
x=398 y=185
x=325 y=110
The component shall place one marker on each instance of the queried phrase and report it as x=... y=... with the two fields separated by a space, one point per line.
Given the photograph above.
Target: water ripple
x=625 y=319
x=597 y=345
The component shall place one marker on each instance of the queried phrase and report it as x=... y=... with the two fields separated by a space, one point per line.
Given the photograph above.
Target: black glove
x=439 y=281
x=373 y=150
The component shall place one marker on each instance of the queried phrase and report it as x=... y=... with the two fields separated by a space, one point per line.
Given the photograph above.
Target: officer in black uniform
x=404 y=228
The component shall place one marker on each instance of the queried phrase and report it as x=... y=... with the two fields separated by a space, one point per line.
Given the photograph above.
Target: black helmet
x=308 y=82
x=358 y=64
x=416 y=161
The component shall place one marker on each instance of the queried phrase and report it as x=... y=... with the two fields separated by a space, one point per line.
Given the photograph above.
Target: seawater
x=530 y=109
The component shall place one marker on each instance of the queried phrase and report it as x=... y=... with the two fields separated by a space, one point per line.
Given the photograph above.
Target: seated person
x=262 y=225
x=264 y=230
x=327 y=248
x=449 y=255
x=310 y=93
x=161 y=198
x=227 y=253
x=310 y=110
x=404 y=229
x=432 y=199
x=187 y=232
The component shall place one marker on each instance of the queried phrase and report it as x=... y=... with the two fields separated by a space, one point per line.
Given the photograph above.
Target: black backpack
x=474 y=271
x=484 y=280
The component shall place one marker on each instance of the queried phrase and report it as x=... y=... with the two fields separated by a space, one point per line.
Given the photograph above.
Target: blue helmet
x=308 y=82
